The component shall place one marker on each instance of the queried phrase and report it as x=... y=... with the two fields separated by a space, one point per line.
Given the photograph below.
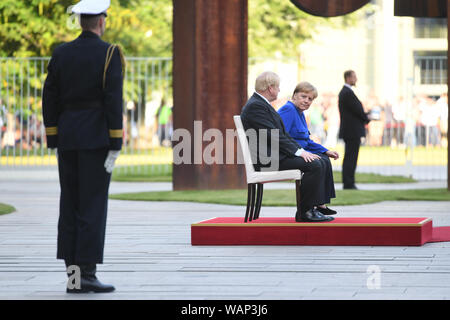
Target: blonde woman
x=294 y=120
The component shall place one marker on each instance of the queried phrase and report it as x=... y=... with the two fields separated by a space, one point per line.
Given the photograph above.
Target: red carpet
x=341 y=231
x=440 y=234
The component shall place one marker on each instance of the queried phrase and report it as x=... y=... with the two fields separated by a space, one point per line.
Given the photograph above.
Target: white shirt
x=348 y=86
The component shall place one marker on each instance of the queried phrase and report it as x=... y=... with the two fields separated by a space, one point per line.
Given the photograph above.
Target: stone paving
x=148 y=253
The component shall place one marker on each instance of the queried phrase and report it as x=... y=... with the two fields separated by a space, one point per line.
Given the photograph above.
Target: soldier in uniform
x=82 y=109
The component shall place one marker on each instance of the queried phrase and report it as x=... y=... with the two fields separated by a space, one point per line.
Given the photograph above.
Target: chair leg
x=252 y=202
x=250 y=196
x=259 y=196
x=298 y=195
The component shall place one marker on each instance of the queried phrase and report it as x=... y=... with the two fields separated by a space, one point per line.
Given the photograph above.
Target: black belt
x=83 y=105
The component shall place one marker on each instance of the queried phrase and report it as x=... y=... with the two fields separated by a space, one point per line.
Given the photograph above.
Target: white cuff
x=299 y=152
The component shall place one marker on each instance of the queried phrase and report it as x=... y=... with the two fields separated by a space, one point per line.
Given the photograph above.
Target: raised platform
x=340 y=231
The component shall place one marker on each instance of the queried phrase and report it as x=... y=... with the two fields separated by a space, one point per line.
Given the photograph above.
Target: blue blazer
x=296 y=126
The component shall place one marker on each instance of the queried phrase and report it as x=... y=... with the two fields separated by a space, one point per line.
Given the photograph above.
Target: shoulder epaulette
x=109 y=54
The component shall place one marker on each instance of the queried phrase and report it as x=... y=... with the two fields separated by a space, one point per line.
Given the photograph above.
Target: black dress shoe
x=353 y=187
x=312 y=215
x=326 y=211
x=91 y=285
x=89 y=282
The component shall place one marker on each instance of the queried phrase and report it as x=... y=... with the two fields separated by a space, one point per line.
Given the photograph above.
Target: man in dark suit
x=258 y=114
x=82 y=109
x=352 y=128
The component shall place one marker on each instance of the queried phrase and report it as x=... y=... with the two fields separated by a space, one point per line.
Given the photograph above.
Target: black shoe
x=353 y=187
x=91 y=285
x=89 y=282
x=298 y=217
x=312 y=215
x=326 y=211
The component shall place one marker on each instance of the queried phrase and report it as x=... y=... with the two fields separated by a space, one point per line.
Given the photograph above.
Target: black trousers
x=83 y=205
x=349 y=162
x=317 y=185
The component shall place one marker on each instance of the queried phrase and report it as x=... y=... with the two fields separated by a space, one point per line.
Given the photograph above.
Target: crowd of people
x=26 y=131
x=421 y=121
x=19 y=131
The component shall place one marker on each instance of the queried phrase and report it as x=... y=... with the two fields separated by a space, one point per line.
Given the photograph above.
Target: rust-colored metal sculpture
x=210 y=85
x=332 y=8
x=210 y=72
x=421 y=8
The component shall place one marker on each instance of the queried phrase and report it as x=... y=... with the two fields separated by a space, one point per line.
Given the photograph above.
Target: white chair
x=256 y=179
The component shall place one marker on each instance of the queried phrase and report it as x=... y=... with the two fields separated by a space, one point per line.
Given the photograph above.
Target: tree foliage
x=278 y=27
x=141 y=27
x=36 y=27
x=32 y=27
x=144 y=27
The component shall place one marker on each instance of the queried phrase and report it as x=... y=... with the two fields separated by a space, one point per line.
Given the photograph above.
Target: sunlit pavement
x=148 y=254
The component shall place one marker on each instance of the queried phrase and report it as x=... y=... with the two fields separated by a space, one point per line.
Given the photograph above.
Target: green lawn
x=286 y=197
x=373 y=178
x=148 y=173
x=4 y=209
x=271 y=197
x=163 y=173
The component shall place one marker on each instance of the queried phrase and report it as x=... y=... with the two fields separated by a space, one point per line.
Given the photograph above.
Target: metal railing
x=22 y=131
x=409 y=138
x=147 y=114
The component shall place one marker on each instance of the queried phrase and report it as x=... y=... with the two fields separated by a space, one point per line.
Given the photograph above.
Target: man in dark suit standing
x=258 y=114
x=352 y=128
x=82 y=109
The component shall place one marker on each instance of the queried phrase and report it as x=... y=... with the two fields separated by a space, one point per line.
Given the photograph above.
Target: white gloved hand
x=111 y=159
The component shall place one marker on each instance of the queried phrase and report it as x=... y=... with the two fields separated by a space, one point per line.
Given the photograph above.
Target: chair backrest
x=249 y=169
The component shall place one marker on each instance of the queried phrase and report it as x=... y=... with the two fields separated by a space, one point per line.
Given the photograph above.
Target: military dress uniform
x=82 y=109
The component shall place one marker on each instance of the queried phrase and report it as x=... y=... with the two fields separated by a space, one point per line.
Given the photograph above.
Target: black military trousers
x=83 y=205
x=350 y=161
x=317 y=185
